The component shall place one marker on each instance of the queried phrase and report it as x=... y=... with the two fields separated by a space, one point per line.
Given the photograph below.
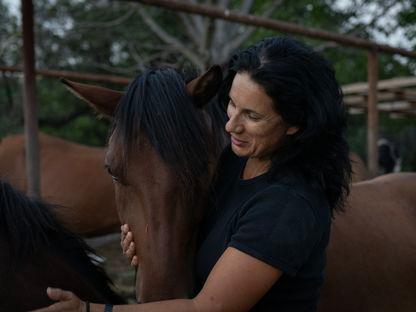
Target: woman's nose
x=233 y=125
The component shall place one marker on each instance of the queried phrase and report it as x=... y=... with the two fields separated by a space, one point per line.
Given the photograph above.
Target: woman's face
x=255 y=127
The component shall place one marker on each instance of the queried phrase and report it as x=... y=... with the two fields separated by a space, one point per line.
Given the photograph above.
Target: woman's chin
x=240 y=152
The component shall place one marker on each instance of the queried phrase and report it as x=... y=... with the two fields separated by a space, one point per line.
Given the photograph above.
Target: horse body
x=37 y=252
x=72 y=176
x=372 y=253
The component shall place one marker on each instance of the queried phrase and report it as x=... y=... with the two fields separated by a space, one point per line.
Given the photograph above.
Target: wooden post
x=372 y=113
x=30 y=108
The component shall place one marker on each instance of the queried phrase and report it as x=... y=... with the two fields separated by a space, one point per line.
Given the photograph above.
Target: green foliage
x=11 y=120
x=55 y=103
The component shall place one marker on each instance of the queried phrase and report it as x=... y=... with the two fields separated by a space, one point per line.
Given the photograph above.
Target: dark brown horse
x=37 y=252
x=372 y=252
x=161 y=155
x=72 y=176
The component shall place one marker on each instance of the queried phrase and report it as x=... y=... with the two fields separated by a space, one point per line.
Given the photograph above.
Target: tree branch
x=326 y=45
x=197 y=19
x=143 y=62
x=167 y=38
x=359 y=27
x=109 y=24
x=246 y=32
x=6 y=43
x=116 y=70
x=191 y=28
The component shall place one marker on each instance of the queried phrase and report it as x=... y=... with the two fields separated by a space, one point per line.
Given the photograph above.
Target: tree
x=10 y=111
x=121 y=37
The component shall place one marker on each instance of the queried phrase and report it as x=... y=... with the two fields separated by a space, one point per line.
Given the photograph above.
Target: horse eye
x=115 y=179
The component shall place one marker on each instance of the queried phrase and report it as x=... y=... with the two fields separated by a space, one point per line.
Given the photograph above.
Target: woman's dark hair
x=306 y=94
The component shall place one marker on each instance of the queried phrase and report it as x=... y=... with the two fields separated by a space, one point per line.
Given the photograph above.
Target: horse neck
x=164 y=228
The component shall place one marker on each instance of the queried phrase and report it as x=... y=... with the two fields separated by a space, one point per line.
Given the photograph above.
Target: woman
x=285 y=173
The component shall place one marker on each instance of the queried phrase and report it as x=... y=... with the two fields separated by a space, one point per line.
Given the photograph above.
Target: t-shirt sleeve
x=278 y=228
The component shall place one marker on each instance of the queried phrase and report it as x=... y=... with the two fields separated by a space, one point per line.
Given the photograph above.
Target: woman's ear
x=292 y=130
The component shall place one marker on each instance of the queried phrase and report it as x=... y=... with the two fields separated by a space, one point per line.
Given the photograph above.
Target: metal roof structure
x=396 y=96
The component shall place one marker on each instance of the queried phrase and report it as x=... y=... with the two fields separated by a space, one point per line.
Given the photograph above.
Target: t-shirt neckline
x=242 y=181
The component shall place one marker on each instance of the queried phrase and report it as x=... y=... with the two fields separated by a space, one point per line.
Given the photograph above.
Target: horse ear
x=102 y=99
x=203 y=88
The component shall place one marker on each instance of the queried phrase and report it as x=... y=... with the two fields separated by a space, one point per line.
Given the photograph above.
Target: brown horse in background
x=371 y=256
x=371 y=263
x=72 y=176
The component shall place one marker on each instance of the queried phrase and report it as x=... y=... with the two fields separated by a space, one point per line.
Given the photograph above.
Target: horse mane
x=29 y=227
x=157 y=105
x=218 y=118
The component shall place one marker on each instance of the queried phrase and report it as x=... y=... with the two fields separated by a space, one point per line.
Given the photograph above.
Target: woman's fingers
x=58 y=294
x=126 y=237
x=131 y=250
x=126 y=243
x=124 y=229
x=131 y=254
x=67 y=301
x=134 y=261
x=128 y=246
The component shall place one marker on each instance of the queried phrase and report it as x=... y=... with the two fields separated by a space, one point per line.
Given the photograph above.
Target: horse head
x=158 y=151
x=38 y=251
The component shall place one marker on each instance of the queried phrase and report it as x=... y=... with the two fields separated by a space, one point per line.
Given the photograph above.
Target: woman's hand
x=67 y=302
x=128 y=246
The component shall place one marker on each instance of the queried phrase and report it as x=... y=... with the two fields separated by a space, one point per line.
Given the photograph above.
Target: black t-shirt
x=281 y=221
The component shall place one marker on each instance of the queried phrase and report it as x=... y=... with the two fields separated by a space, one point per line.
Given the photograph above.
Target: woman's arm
x=236 y=283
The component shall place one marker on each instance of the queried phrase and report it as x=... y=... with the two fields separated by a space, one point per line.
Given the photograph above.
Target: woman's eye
x=254 y=117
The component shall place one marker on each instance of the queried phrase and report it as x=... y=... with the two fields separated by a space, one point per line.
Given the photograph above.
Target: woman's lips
x=237 y=142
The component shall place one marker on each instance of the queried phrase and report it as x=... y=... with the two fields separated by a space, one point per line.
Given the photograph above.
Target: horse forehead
x=138 y=149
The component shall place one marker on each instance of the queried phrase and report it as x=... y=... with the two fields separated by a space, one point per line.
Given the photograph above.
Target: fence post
x=372 y=113
x=29 y=99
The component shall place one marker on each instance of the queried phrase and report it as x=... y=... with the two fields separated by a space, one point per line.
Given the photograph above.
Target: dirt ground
x=115 y=264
